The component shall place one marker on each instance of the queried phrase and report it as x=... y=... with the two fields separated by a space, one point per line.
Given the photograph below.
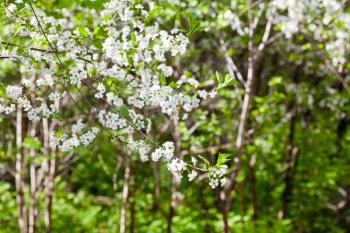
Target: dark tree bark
x=290 y=160
x=253 y=187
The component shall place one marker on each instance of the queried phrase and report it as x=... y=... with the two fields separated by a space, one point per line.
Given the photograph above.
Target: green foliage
x=32 y=143
x=300 y=107
x=222 y=159
x=225 y=81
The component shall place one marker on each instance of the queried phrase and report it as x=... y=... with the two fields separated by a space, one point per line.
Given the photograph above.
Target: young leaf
x=204 y=159
x=162 y=79
x=31 y=143
x=83 y=32
x=218 y=77
x=228 y=81
x=222 y=159
x=2 y=90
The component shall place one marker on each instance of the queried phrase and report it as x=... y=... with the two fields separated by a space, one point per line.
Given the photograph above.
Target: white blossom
x=192 y=175
x=176 y=167
x=89 y=136
x=13 y=91
x=166 y=151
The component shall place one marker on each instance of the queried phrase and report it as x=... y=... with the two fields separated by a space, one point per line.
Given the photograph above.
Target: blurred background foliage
x=293 y=98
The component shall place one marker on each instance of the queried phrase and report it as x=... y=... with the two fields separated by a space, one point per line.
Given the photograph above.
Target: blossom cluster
x=320 y=21
x=217 y=176
x=80 y=136
x=120 y=74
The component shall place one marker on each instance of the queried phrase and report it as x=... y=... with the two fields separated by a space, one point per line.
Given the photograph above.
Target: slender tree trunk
x=175 y=181
x=253 y=187
x=49 y=183
x=33 y=211
x=132 y=215
x=125 y=193
x=156 y=197
x=225 y=194
x=19 y=176
x=225 y=208
x=50 y=169
x=290 y=161
x=115 y=184
x=254 y=55
x=173 y=204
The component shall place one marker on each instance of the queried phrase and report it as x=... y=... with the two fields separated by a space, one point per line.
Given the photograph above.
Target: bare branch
x=231 y=66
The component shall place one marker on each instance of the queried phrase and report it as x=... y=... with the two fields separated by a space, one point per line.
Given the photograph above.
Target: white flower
x=111 y=120
x=25 y=103
x=289 y=28
x=87 y=137
x=101 y=89
x=113 y=99
x=7 y=109
x=166 y=151
x=142 y=148
x=54 y=141
x=167 y=70
x=77 y=74
x=213 y=183
x=33 y=114
x=55 y=96
x=194 y=161
x=216 y=176
x=76 y=128
x=191 y=81
x=176 y=166
x=192 y=175
x=203 y=94
x=13 y=91
x=212 y=94
x=70 y=143
x=157 y=154
x=223 y=181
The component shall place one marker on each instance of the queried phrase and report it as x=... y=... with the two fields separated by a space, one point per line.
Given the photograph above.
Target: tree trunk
x=125 y=193
x=50 y=169
x=292 y=152
x=19 y=176
x=253 y=187
x=225 y=195
x=33 y=211
x=175 y=181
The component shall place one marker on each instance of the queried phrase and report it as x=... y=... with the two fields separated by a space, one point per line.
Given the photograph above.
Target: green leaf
x=93 y=4
x=193 y=24
x=83 y=31
x=123 y=111
x=31 y=143
x=2 y=90
x=225 y=82
x=173 y=84
x=274 y=81
x=219 y=77
x=222 y=159
x=153 y=13
x=99 y=33
x=230 y=81
x=59 y=132
x=55 y=115
x=133 y=37
x=162 y=79
x=306 y=47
